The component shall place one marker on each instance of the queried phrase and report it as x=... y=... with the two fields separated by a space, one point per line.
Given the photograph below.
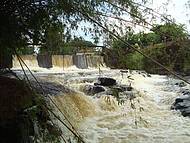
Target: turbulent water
x=156 y=123
x=101 y=121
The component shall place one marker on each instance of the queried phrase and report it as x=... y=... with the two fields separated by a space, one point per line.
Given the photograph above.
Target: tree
x=28 y=22
x=140 y=39
x=170 y=32
x=75 y=44
x=149 y=39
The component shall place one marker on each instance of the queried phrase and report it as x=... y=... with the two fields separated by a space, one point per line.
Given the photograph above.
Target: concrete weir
x=81 y=61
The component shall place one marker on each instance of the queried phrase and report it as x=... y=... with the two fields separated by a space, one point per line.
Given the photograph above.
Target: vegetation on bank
x=168 y=44
x=24 y=114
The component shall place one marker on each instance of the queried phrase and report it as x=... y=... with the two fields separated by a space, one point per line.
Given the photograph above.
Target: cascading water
x=80 y=61
x=30 y=60
x=95 y=61
x=106 y=122
x=102 y=120
x=67 y=61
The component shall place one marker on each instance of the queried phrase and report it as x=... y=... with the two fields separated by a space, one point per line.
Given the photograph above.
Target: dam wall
x=81 y=61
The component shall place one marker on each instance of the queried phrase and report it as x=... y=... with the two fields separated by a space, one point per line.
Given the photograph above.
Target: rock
x=93 y=89
x=118 y=89
x=50 y=88
x=104 y=81
x=148 y=75
x=144 y=74
x=127 y=95
x=129 y=77
x=182 y=98
x=100 y=94
x=186 y=93
x=124 y=71
x=186 y=112
x=181 y=84
x=182 y=104
x=122 y=88
x=126 y=87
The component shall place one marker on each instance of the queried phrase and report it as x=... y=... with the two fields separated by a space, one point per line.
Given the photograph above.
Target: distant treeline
x=168 y=44
x=63 y=48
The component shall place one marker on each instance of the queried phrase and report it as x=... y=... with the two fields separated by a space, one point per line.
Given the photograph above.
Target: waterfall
x=67 y=61
x=30 y=60
x=57 y=60
x=76 y=107
x=95 y=61
x=81 y=61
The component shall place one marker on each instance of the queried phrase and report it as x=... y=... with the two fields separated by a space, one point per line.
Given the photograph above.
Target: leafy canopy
x=159 y=33
x=47 y=23
x=170 y=32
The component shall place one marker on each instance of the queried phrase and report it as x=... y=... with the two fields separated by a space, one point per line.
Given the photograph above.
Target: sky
x=176 y=8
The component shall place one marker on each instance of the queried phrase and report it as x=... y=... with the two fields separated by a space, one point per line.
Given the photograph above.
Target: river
x=150 y=120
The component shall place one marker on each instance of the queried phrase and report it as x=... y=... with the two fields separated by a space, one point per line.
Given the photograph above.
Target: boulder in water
x=50 y=88
x=186 y=112
x=105 y=81
x=186 y=92
x=182 y=103
x=122 y=88
x=181 y=84
x=93 y=89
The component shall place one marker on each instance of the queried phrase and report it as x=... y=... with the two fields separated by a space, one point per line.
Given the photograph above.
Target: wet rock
x=181 y=84
x=148 y=75
x=124 y=71
x=127 y=95
x=182 y=103
x=185 y=91
x=93 y=89
x=186 y=112
x=118 y=89
x=104 y=81
x=122 y=88
x=144 y=74
x=50 y=88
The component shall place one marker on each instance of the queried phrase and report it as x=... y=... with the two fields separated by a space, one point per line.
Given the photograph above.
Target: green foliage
x=39 y=114
x=149 y=39
x=160 y=33
x=53 y=40
x=42 y=22
x=25 y=50
x=134 y=61
x=170 y=32
x=79 y=42
x=74 y=45
x=173 y=55
x=158 y=53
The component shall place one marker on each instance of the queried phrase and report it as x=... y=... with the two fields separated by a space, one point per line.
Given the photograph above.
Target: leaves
x=39 y=22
